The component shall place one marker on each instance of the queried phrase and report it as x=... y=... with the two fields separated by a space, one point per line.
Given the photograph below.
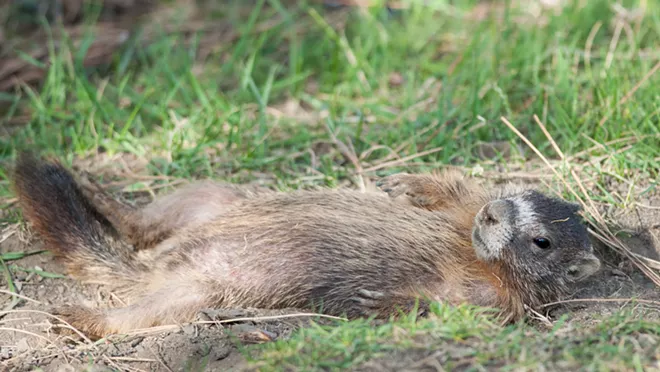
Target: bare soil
x=28 y=338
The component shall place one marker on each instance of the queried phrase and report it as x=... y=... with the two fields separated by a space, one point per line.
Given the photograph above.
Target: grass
x=466 y=337
x=457 y=76
x=414 y=89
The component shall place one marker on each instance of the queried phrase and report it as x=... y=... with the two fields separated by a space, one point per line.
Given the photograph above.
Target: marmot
x=342 y=252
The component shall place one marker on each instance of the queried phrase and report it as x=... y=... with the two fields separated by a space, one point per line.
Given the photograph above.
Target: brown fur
x=341 y=252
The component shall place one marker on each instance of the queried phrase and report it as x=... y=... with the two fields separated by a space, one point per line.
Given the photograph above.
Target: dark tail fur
x=69 y=225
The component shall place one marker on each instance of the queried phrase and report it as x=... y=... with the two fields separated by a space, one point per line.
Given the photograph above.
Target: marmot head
x=536 y=239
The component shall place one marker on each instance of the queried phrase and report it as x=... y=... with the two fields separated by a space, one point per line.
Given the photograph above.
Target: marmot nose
x=495 y=211
x=488 y=217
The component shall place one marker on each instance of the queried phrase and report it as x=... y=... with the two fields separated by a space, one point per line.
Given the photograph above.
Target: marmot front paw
x=395 y=184
x=413 y=186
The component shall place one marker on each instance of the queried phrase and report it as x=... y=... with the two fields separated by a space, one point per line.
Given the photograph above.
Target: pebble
x=189 y=329
x=137 y=341
x=220 y=353
x=22 y=346
x=617 y=272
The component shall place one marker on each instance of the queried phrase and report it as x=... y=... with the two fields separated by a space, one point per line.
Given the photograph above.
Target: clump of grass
x=466 y=337
x=342 y=346
x=336 y=71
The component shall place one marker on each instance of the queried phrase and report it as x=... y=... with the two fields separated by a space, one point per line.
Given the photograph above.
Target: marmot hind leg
x=173 y=304
x=146 y=227
x=129 y=221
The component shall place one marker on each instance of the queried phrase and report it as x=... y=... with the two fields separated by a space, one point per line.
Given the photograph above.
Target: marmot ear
x=583 y=267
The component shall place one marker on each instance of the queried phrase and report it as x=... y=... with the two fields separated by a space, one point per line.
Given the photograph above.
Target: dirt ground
x=28 y=338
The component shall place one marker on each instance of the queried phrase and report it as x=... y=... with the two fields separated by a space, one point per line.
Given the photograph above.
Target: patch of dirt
x=28 y=338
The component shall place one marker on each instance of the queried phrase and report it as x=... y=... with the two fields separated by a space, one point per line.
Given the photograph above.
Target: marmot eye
x=542 y=243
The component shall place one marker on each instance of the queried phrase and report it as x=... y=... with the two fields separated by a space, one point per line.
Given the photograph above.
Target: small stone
x=7 y=352
x=22 y=276
x=617 y=272
x=137 y=341
x=189 y=329
x=220 y=353
x=22 y=346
